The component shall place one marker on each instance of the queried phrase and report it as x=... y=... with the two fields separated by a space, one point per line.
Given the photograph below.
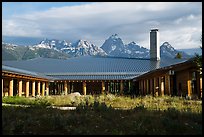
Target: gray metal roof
x=24 y=72
x=91 y=68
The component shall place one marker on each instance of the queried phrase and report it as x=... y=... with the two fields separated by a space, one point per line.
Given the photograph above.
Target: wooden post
x=33 y=88
x=2 y=87
x=144 y=86
x=140 y=89
x=121 y=87
x=201 y=87
x=129 y=86
x=43 y=88
x=150 y=86
x=147 y=87
x=155 y=87
x=20 y=88
x=11 y=87
x=47 y=88
x=65 y=87
x=159 y=85
x=27 y=89
x=68 y=87
x=162 y=86
x=167 y=84
x=189 y=88
x=103 y=87
x=84 y=88
x=38 y=87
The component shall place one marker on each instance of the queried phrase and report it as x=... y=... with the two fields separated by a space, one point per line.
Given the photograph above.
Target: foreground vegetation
x=103 y=114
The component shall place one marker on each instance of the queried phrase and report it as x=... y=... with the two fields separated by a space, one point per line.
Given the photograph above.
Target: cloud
x=179 y=22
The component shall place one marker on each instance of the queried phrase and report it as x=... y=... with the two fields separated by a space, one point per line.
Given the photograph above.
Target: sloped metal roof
x=92 y=68
x=24 y=72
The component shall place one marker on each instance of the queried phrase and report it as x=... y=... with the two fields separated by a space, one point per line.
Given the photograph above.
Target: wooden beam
x=84 y=88
x=103 y=87
x=121 y=87
x=162 y=86
x=47 y=88
x=65 y=87
x=11 y=87
x=43 y=88
x=27 y=89
x=189 y=88
x=14 y=75
x=33 y=88
x=2 y=87
x=20 y=88
x=38 y=87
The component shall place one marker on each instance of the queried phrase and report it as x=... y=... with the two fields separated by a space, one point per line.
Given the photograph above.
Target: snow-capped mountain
x=166 y=50
x=83 y=48
x=135 y=50
x=114 y=46
x=52 y=44
x=16 y=52
x=79 y=48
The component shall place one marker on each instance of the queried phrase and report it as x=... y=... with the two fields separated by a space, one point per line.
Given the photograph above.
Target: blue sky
x=15 y=8
x=179 y=23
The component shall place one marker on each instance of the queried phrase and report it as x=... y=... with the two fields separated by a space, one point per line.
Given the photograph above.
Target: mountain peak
x=114 y=36
x=166 y=44
x=132 y=43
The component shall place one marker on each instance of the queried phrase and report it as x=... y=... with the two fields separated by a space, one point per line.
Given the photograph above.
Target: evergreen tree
x=179 y=55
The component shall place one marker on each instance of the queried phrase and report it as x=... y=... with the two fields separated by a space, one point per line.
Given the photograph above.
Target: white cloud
x=178 y=22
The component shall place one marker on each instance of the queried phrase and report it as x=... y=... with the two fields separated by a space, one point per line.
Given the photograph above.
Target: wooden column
x=109 y=87
x=201 y=87
x=159 y=85
x=103 y=87
x=65 y=87
x=84 y=88
x=20 y=85
x=11 y=87
x=129 y=86
x=47 y=88
x=43 y=88
x=68 y=87
x=189 y=87
x=121 y=87
x=140 y=88
x=144 y=86
x=38 y=87
x=162 y=86
x=27 y=89
x=2 y=87
x=147 y=86
x=150 y=86
x=154 y=87
x=167 y=84
x=33 y=88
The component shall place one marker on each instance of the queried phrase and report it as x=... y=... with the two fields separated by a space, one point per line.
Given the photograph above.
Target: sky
x=179 y=23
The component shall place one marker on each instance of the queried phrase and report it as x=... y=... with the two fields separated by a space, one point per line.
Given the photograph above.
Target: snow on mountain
x=52 y=44
x=83 y=48
x=166 y=50
x=79 y=48
x=114 y=46
x=137 y=51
